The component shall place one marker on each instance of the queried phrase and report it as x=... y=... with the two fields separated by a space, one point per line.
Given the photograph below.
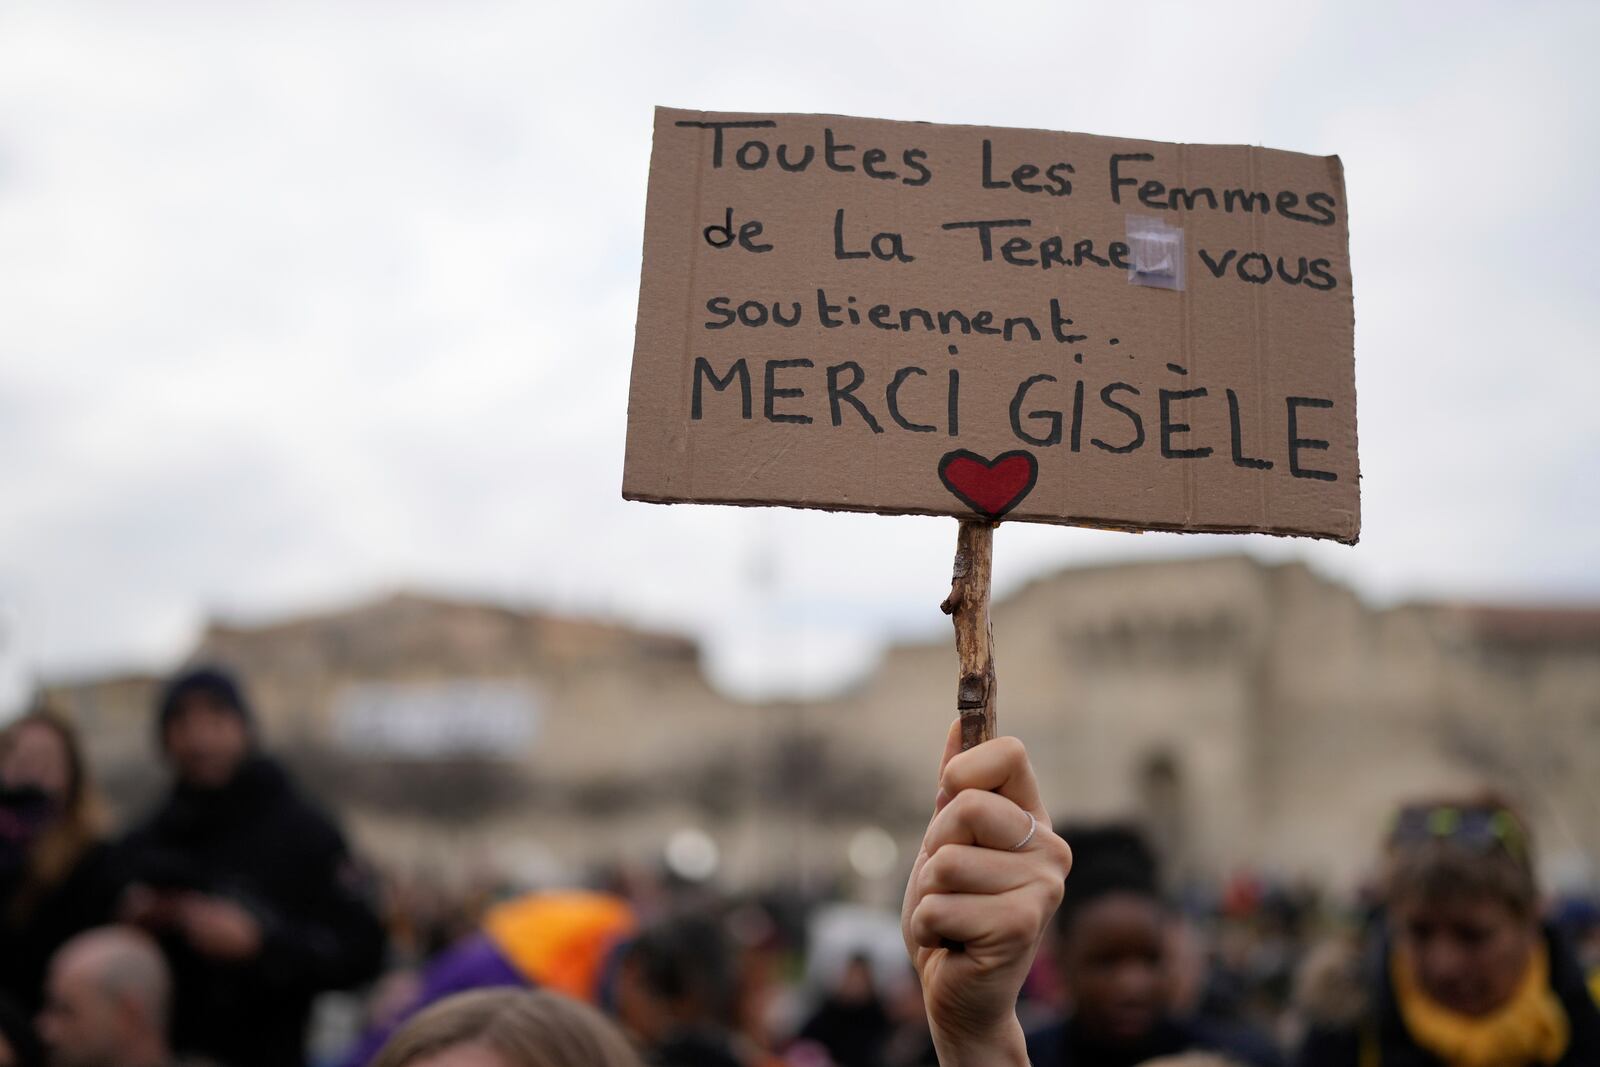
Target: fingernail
x=940 y=801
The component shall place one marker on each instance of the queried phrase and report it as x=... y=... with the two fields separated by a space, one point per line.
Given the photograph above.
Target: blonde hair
x=528 y=1028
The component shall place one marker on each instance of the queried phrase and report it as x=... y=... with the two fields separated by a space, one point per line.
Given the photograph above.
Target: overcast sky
x=302 y=303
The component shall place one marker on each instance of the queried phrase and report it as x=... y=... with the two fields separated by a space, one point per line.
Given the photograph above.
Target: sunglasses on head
x=1484 y=828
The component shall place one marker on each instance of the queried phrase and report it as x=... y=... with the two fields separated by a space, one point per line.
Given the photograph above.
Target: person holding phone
x=249 y=886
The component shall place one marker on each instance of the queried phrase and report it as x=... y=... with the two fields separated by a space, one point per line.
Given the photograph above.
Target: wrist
x=1004 y=1046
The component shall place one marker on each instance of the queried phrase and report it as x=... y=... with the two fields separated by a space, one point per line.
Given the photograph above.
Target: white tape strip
x=1156 y=252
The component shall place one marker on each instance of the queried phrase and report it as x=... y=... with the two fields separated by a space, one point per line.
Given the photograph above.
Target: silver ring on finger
x=1033 y=827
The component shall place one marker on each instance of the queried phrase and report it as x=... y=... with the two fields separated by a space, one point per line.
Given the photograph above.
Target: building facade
x=1251 y=716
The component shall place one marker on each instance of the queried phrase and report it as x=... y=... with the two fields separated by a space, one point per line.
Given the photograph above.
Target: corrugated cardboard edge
x=1355 y=404
x=1083 y=521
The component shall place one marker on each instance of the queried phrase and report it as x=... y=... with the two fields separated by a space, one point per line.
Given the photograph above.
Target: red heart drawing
x=990 y=486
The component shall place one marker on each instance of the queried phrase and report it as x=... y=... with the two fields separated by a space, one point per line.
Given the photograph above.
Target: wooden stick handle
x=968 y=608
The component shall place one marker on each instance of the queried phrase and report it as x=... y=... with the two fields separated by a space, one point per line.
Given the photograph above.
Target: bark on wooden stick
x=968 y=607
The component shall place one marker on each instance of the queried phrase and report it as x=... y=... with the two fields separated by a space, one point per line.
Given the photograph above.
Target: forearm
x=1004 y=1048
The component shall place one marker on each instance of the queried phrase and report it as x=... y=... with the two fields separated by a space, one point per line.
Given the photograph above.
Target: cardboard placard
x=908 y=318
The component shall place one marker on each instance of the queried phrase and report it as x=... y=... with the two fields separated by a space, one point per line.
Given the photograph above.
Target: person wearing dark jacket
x=1111 y=948
x=852 y=1023
x=57 y=878
x=250 y=888
x=1461 y=973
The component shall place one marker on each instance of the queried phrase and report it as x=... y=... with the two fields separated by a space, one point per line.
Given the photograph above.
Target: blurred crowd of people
x=210 y=930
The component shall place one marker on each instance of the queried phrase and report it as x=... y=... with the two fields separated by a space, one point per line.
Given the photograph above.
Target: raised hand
x=984 y=886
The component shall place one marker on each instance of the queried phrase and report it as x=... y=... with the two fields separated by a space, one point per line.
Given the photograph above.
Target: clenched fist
x=981 y=895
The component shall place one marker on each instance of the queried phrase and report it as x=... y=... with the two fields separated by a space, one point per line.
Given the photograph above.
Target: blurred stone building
x=1250 y=715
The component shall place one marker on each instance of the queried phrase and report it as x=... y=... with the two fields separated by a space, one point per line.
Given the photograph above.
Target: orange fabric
x=560 y=941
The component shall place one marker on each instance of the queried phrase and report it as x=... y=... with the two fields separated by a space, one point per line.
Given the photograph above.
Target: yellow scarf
x=1530 y=1029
